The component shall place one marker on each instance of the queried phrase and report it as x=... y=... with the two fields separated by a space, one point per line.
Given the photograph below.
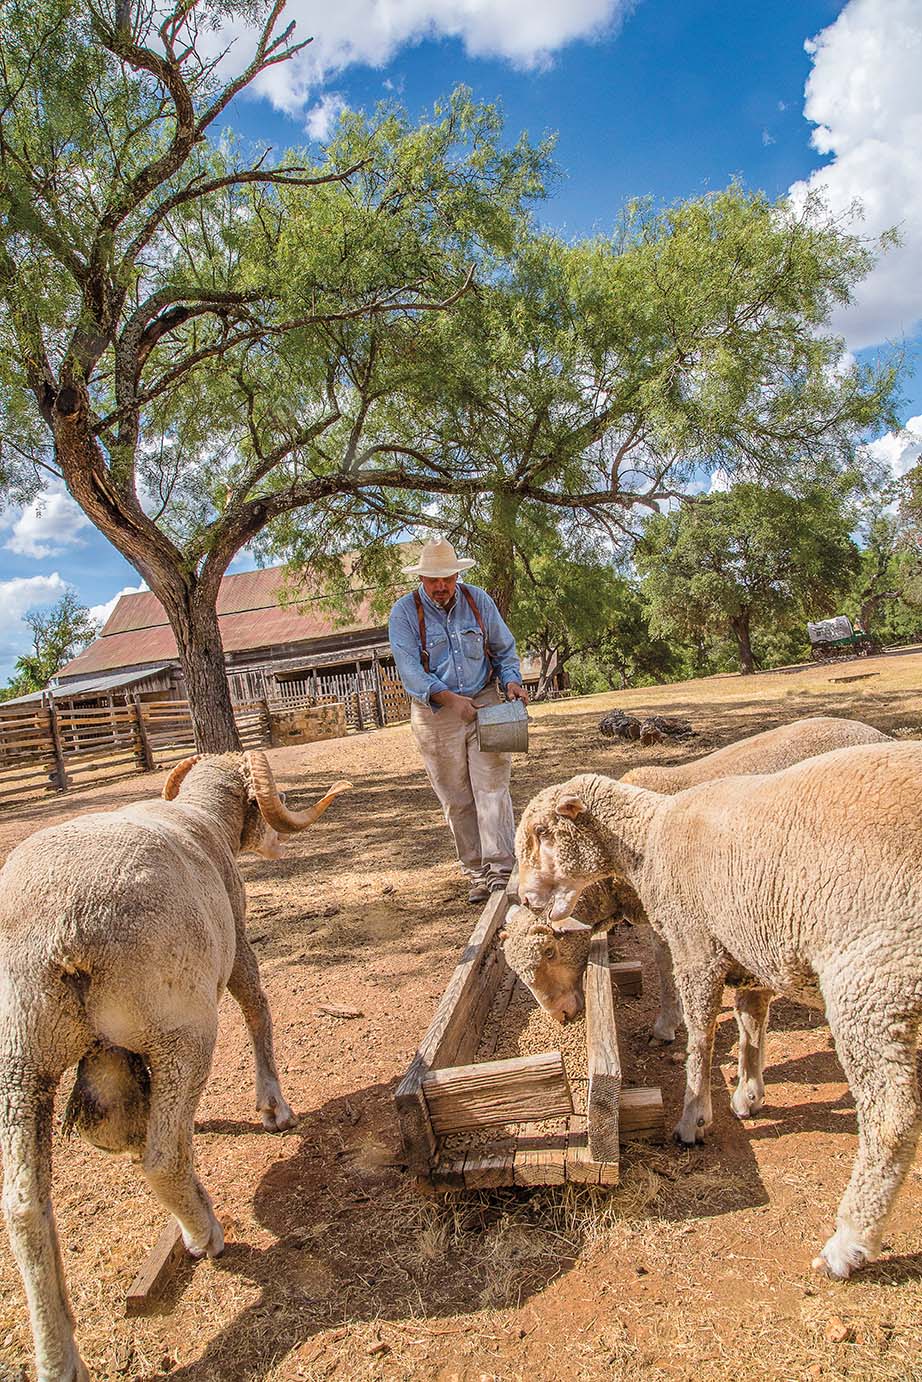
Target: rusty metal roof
x=137 y=631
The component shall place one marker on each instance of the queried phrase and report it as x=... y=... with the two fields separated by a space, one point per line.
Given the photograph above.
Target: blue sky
x=667 y=98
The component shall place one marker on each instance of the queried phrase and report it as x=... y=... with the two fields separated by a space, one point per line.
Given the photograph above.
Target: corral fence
x=372 y=696
x=47 y=747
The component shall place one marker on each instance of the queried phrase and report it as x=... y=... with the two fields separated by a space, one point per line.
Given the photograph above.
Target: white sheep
x=553 y=966
x=767 y=752
x=809 y=881
x=119 y=931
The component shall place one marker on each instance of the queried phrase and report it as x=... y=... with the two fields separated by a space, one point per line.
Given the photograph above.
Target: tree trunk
x=501 y=563
x=188 y=601
x=869 y=606
x=201 y=653
x=740 y=627
x=550 y=665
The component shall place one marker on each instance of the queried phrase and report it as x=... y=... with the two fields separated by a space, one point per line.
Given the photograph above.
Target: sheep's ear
x=570 y=807
x=503 y=934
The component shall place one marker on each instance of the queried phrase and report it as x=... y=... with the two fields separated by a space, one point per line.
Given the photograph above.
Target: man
x=454 y=654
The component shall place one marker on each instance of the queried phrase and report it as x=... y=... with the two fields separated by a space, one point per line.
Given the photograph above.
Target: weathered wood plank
x=448 y=1173
x=603 y=1058
x=640 y=1113
x=540 y=1157
x=528 y=1088
x=578 y=1164
x=443 y=1036
x=627 y=976
x=156 y=1269
x=487 y=1167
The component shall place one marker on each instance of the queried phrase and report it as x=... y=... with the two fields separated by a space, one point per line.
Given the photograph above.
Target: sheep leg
x=751 y=1008
x=244 y=985
x=877 y=1052
x=179 y=1066
x=701 y=992
x=670 y=1008
x=26 y=1109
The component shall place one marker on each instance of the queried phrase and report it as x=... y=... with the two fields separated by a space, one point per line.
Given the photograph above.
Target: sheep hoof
x=843 y=1254
x=278 y=1118
x=746 y=1107
x=212 y=1248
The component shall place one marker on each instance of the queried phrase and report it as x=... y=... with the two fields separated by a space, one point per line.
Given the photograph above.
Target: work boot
x=479 y=891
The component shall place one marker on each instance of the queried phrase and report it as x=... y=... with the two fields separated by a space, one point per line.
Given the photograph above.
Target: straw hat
x=438 y=559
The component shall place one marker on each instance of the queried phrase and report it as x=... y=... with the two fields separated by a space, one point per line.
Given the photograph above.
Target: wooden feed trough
x=549 y=1127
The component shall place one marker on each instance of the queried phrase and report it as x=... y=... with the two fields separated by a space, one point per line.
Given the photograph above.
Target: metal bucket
x=502 y=728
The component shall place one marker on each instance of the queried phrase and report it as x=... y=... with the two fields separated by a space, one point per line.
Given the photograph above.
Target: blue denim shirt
x=454 y=642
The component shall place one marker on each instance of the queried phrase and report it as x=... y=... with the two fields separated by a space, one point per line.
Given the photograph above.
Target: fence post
x=60 y=769
x=379 y=693
x=142 y=743
x=358 y=697
x=265 y=722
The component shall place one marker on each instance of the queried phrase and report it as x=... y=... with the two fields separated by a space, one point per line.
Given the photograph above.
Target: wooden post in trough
x=604 y=1057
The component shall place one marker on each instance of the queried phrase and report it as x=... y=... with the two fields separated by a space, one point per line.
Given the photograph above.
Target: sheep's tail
x=26 y=1111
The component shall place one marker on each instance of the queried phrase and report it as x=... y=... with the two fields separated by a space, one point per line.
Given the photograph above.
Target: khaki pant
x=472 y=787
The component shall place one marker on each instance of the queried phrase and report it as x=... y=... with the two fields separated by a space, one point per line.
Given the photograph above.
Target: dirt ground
x=697 y=1266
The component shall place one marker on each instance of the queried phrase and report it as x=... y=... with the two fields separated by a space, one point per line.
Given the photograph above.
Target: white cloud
x=47 y=526
x=767 y=138
x=898 y=451
x=100 y=613
x=865 y=97
x=17 y=597
x=526 y=33
x=322 y=118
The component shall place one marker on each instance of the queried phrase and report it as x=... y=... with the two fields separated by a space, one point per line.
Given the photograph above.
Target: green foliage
x=748 y=563
x=58 y=634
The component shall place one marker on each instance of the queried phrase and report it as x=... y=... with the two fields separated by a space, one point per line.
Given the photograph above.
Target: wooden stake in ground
x=156 y=1270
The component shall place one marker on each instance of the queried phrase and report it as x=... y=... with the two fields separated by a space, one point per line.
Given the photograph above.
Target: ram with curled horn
x=119 y=932
x=273 y=809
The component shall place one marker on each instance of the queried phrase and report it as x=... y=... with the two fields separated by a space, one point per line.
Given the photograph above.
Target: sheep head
x=550 y=961
x=261 y=835
x=266 y=816
x=560 y=845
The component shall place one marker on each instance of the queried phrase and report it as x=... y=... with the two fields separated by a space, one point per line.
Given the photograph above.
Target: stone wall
x=306 y=724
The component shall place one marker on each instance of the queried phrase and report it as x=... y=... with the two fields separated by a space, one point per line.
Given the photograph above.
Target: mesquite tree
x=162 y=294
x=606 y=379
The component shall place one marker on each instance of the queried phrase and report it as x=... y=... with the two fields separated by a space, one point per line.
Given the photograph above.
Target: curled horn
x=273 y=809
x=540 y=928
x=177 y=774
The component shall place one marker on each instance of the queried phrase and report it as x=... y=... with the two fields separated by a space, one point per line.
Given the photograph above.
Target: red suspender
x=423 y=651
x=421 y=617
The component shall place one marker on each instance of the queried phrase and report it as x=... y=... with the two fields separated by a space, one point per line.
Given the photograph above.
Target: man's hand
x=515 y=692
x=462 y=706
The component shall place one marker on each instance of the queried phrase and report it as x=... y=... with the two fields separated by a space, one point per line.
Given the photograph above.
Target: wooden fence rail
x=45 y=748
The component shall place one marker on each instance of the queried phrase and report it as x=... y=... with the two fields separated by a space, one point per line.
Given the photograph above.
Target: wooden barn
x=280 y=647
